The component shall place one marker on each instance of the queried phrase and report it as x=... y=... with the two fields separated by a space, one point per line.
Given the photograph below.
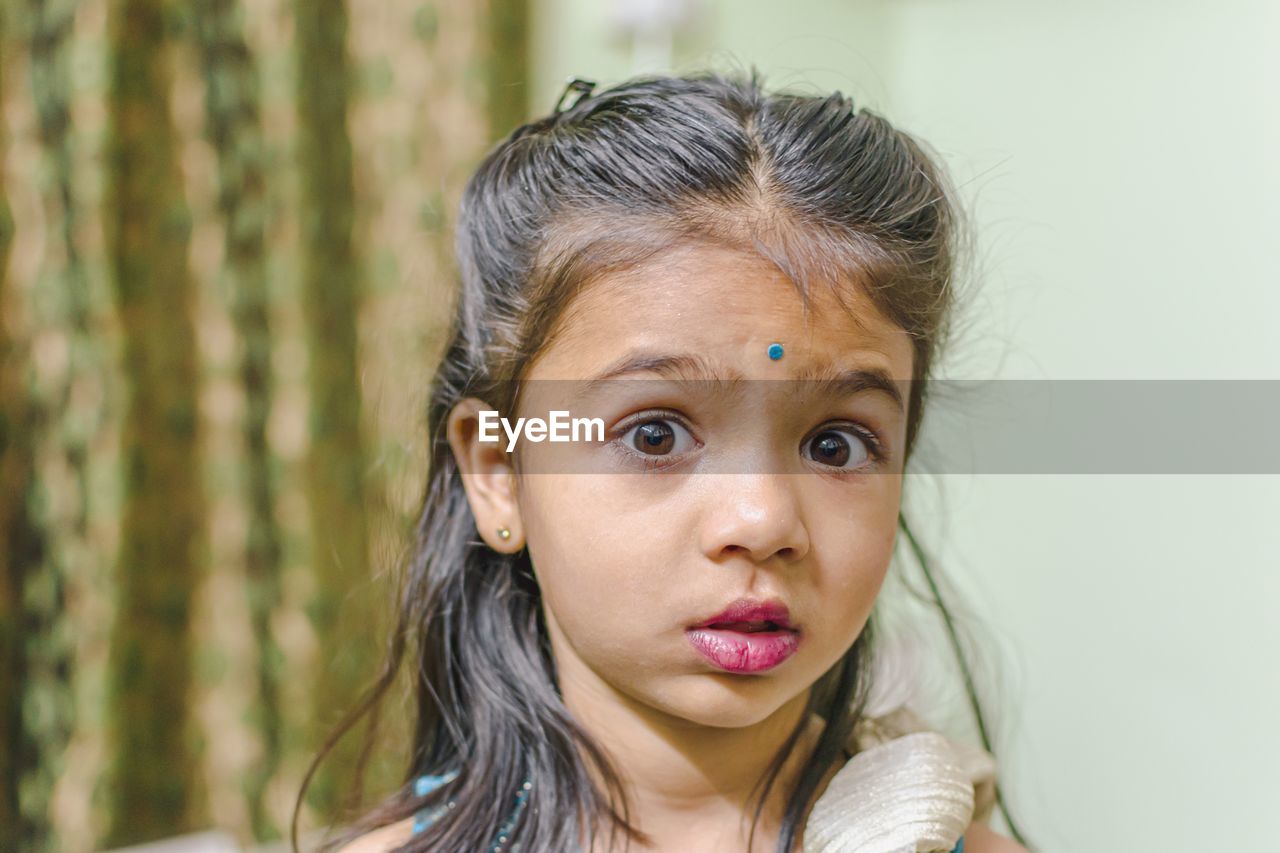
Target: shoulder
x=382 y=840
x=924 y=768
x=979 y=838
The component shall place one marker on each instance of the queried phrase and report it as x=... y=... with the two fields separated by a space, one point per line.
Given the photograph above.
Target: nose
x=755 y=515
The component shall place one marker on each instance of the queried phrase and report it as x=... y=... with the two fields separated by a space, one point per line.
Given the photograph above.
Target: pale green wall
x=1122 y=164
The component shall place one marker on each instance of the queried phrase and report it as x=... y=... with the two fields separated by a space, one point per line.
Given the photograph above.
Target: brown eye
x=833 y=447
x=655 y=438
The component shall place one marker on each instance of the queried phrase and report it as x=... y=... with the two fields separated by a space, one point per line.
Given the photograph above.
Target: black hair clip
x=584 y=89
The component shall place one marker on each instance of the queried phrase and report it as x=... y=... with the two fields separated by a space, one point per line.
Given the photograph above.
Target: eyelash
x=635 y=457
x=876 y=451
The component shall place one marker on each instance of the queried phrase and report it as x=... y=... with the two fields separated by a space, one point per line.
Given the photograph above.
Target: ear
x=487 y=477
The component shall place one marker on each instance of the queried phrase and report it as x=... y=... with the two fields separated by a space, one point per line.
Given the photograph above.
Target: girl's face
x=704 y=493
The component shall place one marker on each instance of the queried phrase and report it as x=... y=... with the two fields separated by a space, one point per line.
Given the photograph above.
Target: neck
x=682 y=778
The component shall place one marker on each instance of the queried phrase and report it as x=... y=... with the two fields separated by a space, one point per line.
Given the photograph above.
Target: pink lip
x=735 y=649
x=750 y=610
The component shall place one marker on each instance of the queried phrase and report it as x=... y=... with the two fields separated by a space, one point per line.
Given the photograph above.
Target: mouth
x=748 y=615
x=746 y=637
x=746 y=627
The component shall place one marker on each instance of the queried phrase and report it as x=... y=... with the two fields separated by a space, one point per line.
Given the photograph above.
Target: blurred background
x=225 y=273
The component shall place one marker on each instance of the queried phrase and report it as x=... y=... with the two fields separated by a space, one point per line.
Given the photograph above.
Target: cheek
x=602 y=573
x=852 y=558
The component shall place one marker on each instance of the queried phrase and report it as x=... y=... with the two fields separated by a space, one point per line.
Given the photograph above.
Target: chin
x=725 y=700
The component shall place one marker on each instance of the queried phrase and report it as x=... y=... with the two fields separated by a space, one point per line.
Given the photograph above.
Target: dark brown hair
x=828 y=192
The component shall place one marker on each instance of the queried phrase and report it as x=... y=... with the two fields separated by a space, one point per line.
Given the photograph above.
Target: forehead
x=726 y=305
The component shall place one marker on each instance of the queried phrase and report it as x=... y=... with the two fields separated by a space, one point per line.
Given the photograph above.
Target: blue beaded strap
x=959 y=848
x=424 y=785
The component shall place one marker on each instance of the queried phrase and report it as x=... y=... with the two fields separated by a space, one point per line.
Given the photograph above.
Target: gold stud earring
x=504 y=534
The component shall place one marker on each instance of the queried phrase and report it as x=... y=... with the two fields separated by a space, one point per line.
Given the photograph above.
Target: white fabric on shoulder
x=906 y=790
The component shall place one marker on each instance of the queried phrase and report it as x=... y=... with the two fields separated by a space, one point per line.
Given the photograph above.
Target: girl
x=658 y=637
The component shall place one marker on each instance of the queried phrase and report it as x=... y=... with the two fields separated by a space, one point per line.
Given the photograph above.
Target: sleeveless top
x=907 y=789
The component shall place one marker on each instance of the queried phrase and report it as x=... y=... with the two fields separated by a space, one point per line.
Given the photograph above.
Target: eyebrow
x=848 y=383
x=692 y=366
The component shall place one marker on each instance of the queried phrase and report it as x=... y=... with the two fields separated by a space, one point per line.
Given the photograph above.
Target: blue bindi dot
x=775 y=351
